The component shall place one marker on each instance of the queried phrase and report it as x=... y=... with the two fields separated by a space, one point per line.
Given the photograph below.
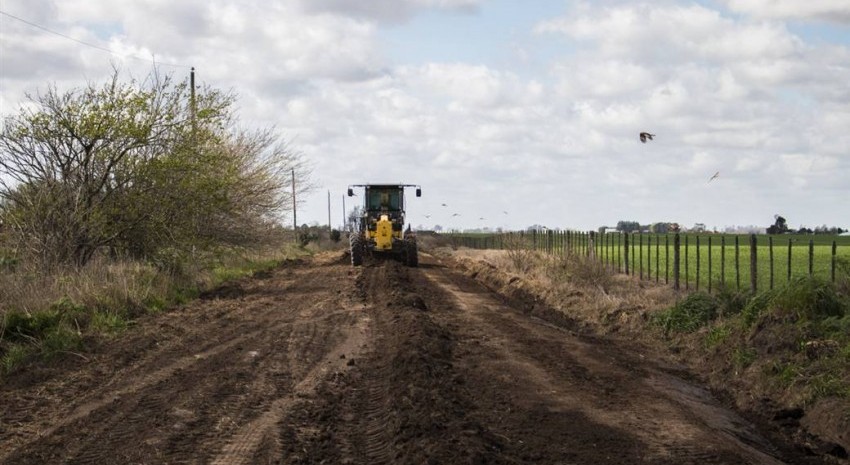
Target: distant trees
x=833 y=230
x=780 y=225
x=628 y=226
x=354 y=217
x=137 y=168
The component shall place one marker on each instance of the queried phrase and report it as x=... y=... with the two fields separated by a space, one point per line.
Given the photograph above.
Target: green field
x=651 y=255
x=703 y=267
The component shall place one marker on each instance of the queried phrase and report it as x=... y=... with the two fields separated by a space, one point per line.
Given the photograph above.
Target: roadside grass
x=793 y=340
x=791 y=343
x=43 y=316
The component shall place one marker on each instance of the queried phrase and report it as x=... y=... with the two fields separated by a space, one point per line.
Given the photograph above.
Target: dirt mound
x=404 y=402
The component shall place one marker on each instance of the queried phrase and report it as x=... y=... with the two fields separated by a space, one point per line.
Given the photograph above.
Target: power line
x=97 y=47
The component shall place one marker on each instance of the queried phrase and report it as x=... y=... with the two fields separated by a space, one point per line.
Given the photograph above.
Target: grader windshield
x=384 y=198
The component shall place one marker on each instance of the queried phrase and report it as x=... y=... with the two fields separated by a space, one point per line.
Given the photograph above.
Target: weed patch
x=690 y=314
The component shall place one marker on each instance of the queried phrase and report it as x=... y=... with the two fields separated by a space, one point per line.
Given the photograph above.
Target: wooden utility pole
x=193 y=108
x=344 y=219
x=294 y=210
x=329 y=211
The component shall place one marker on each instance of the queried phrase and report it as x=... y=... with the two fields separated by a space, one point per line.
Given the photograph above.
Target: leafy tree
x=628 y=226
x=138 y=168
x=780 y=226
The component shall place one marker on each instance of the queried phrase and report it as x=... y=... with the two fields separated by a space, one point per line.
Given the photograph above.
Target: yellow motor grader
x=380 y=230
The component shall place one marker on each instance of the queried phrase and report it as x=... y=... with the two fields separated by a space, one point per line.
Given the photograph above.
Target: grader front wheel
x=411 y=253
x=356 y=245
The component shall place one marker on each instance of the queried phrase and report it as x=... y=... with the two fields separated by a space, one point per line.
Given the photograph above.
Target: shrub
x=690 y=314
x=803 y=299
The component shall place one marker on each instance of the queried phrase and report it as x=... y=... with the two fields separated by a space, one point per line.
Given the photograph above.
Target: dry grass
x=791 y=345
x=582 y=288
x=49 y=313
x=100 y=283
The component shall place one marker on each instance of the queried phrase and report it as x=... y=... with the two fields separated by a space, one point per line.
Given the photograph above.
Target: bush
x=692 y=313
x=803 y=299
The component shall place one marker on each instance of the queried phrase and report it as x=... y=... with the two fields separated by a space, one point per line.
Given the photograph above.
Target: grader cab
x=380 y=230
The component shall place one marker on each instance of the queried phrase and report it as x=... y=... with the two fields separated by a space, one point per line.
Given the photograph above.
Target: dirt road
x=317 y=362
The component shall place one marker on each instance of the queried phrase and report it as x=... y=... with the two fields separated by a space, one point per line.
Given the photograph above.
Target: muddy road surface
x=317 y=362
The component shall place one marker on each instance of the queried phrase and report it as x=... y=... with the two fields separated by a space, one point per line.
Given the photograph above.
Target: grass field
x=702 y=266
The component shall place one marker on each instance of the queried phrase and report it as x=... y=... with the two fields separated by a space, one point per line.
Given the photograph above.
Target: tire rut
x=657 y=417
x=257 y=354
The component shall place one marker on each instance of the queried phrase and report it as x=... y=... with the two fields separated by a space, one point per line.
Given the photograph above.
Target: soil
x=319 y=362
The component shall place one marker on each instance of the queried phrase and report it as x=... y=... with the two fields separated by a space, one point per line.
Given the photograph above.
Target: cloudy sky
x=527 y=107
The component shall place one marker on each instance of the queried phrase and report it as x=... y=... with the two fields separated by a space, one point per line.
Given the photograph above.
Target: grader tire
x=411 y=253
x=356 y=250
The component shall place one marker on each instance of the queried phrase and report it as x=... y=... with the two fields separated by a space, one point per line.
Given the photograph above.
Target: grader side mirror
x=350 y=192
x=419 y=192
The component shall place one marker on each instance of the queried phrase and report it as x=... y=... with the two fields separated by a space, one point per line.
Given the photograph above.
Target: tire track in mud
x=642 y=413
x=242 y=447
x=184 y=411
x=324 y=363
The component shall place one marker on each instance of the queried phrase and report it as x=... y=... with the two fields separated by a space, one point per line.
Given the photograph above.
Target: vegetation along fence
x=689 y=261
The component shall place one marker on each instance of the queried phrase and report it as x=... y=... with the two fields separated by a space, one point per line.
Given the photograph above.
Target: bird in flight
x=481 y=218
x=445 y=205
x=645 y=135
x=505 y=212
x=427 y=216
x=716 y=175
x=456 y=214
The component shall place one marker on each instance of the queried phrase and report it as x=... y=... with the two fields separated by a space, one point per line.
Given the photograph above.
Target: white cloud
x=736 y=94
x=827 y=10
x=386 y=10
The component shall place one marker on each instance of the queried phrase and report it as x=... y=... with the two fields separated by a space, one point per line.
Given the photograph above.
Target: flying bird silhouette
x=505 y=212
x=716 y=175
x=445 y=205
x=427 y=216
x=645 y=135
x=456 y=214
x=481 y=218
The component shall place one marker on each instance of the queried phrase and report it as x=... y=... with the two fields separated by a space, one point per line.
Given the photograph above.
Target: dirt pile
x=405 y=403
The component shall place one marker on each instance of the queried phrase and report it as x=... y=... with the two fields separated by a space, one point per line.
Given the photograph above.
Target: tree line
x=780 y=226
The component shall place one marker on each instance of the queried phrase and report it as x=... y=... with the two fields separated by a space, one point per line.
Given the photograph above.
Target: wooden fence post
x=753 y=263
x=676 y=242
x=687 y=268
x=709 y=265
x=620 y=252
x=834 y=251
x=640 y=254
x=698 y=270
x=789 y=260
x=811 y=257
x=666 y=259
x=723 y=261
x=737 y=263
x=626 y=251
x=657 y=258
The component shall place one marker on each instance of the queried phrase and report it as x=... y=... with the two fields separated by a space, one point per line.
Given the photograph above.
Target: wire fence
x=708 y=262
